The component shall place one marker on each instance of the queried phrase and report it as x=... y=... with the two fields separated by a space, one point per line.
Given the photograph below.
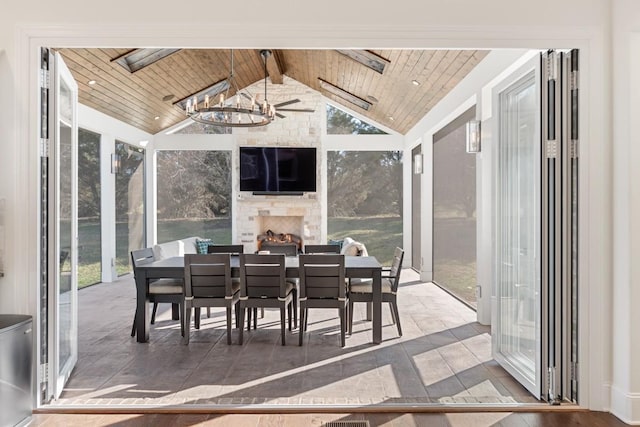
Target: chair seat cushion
x=364 y=286
x=166 y=286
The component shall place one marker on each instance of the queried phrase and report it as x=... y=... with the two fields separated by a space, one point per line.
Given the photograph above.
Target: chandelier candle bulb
x=231 y=113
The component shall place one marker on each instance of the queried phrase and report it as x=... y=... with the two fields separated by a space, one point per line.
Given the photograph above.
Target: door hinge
x=573 y=148
x=44 y=147
x=551 y=381
x=44 y=79
x=44 y=373
x=551 y=149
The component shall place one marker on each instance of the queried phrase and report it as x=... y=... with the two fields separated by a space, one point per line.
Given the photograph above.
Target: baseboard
x=625 y=406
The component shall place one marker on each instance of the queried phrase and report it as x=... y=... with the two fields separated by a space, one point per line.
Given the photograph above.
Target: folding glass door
x=62 y=231
x=534 y=324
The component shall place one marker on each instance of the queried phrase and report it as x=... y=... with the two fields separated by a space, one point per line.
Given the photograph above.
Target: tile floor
x=444 y=357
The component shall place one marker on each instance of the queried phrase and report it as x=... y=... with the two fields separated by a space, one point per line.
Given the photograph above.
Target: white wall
x=625 y=387
x=465 y=23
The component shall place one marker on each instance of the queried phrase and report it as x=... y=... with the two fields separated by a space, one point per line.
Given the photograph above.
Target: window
x=194 y=195
x=364 y=199
x=89 y=235
x=130 y=204
x=200 y=128
x=342 y=123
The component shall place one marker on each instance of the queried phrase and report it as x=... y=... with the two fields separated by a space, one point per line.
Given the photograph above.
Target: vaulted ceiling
x=412 y=82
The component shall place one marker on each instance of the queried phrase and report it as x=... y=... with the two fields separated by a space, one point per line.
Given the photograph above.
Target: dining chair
x=208 y=283
x=221 y=249
x=160 y=290
x=361 y=290
x=263 y=284
x=322 y=285
x=287 y=250
x=321 y=249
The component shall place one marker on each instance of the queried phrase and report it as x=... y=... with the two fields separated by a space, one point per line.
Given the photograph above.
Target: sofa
x=176 y=248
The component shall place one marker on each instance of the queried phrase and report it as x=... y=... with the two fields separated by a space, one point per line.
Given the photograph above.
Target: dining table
x=363 y=267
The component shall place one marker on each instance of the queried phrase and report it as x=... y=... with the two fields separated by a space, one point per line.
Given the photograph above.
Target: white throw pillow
x=168 y=249
x=354 y=248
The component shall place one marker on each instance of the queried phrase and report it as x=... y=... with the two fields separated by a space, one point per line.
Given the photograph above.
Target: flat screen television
x=278 y=170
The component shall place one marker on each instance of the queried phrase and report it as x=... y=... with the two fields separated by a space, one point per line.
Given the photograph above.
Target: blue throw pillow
x=203 y=245
x=336 y=242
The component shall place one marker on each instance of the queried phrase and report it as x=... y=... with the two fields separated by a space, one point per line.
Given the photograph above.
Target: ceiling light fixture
x=91 y=82
x=347 y=96
x=415 y=82
x=239 y=110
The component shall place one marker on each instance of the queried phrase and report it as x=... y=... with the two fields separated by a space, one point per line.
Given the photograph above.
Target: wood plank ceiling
x=145 y=99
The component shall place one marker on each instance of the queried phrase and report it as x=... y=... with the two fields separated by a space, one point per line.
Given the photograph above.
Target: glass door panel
x=516 y=330
x=65 y=288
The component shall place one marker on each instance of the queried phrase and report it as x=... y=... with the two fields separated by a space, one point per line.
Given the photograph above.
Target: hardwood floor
x=506 y=419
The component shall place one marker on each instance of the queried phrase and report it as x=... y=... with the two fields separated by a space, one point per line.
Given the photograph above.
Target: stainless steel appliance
x=16 y=369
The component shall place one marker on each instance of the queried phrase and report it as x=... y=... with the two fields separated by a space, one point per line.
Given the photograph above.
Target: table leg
x=377 y=306
x=142 y=317
x=175 y=311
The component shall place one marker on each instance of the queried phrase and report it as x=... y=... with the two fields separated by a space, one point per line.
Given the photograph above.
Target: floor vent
x=363 y=423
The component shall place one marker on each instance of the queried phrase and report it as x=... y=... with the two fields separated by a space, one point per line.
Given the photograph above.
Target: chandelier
x=239 y=110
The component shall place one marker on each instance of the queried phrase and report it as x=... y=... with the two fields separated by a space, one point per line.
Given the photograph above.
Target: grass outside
x=459 y=278
x=379 y=234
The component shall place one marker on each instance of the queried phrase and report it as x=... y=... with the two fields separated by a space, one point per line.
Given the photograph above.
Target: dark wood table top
x=352 y=263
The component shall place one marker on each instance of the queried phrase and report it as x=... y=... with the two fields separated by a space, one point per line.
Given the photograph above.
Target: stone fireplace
x=281 y=215
x=299 y=215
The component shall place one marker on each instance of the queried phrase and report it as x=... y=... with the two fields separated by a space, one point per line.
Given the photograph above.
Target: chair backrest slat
x=262 y=276
x=142 y=257
x=207 y=275
x=322 y=276
x=396 y=268
x=321 y=249
x=225 y=249
x=288 y=249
